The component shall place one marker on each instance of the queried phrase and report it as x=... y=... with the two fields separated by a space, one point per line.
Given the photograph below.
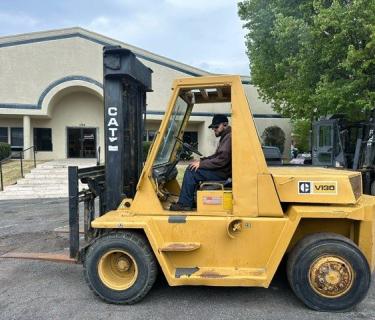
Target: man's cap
x=217 y=119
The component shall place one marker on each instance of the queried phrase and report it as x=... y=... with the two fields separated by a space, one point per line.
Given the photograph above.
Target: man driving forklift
x=217 y=167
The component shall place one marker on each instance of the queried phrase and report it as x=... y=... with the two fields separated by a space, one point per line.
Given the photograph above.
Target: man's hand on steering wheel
x=187 y=146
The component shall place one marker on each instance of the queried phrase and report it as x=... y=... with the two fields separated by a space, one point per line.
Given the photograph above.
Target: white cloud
x=17 y=19
x=229 y=65
x=203 y=33
x=199 y=4
x=128 y=29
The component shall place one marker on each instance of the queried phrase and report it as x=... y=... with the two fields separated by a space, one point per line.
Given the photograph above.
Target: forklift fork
x=94 y=177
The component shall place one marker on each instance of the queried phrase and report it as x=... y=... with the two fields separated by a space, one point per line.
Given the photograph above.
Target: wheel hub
x=123 y=264
x=118 y=270
x=331 y=276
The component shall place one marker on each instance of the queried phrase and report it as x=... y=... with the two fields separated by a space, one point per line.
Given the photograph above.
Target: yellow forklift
x=237 y=236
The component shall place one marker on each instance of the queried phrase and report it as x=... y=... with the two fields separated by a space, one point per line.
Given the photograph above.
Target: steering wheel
x=188 y=147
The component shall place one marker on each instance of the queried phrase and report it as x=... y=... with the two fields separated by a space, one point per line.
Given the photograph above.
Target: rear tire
x=120 y=267
x=328 y=272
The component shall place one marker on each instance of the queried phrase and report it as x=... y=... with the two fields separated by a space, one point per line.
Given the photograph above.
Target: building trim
x=98 y=41
x=62 y=80
x=211 y=114
x=44 y=93
x=18 y=106
x=38 y=106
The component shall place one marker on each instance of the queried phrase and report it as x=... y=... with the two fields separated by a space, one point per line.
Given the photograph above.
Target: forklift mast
x=347 y=144
x=126 y=81
x=370 y=143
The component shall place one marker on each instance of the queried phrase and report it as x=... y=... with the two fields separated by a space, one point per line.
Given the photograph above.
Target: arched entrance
x=76 y=119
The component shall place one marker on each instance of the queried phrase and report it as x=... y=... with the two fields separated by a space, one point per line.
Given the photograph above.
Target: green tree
x=312 y=57
x=301 y=133
x=274 y=136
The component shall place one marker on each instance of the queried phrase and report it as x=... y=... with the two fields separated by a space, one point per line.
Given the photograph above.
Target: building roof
x=57 y=34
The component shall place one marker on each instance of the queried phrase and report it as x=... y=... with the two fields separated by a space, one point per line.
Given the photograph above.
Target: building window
x=191 y=137
x=151 y=135
x=4 y=134
x=16 y=139
x=43 y=139
x=148 y=135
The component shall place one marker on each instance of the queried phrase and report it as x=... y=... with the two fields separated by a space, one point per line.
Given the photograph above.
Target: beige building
x=51 y=94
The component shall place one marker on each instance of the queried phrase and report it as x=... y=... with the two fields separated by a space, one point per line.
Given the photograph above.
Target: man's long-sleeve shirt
x=221 y=160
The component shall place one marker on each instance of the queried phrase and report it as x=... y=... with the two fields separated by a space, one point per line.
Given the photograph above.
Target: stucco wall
x=29 y=73
x=79 y=109
x=27 y=70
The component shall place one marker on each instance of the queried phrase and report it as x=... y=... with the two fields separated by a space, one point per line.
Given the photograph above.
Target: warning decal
x=213 y=200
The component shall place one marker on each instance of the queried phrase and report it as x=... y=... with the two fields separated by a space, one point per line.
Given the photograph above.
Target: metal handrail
x=98 y=156
x=20 y=153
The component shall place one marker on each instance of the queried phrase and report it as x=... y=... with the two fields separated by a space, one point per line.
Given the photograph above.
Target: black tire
x=142 y=259
x=306 y=254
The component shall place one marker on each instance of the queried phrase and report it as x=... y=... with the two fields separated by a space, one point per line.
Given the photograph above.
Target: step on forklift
x=317 y=218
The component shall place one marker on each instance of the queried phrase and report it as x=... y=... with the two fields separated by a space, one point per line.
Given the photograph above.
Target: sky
x=206 y=34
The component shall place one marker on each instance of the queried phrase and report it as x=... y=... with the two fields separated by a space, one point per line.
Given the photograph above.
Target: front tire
x=120 y=267
x=328 y=272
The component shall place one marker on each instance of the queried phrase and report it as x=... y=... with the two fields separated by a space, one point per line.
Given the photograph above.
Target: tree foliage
x=301 y=132
x=312 y=57
x=274 y=136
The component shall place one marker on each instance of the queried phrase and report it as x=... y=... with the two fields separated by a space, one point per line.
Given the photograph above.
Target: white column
x=27 y=136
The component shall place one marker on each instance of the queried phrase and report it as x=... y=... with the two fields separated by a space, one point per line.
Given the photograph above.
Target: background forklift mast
x=337 y=142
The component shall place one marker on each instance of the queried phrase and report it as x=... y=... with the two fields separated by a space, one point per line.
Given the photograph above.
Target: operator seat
x=216 y=185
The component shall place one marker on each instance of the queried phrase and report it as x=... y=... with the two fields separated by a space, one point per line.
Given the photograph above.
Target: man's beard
x=218 y=134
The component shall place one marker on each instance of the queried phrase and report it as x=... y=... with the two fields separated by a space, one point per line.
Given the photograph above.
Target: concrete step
x=48 y=167
x=65 y=163
x=36 y=192
x=28 y=196
x=47 y=180
x=42 y=181
x=48 y=176
x=45 y=170
x=39 y=188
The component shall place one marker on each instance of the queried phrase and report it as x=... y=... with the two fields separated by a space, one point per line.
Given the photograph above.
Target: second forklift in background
x=339 y=142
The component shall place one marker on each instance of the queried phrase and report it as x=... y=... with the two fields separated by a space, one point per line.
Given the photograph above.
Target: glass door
x=81 y=142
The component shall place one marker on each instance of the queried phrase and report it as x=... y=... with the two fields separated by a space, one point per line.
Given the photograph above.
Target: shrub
x=301 y=133
x=274 y=136
x=146 y=146
x=4 y=150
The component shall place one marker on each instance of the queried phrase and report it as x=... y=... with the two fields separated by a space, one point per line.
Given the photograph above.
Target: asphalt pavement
x=46 y=290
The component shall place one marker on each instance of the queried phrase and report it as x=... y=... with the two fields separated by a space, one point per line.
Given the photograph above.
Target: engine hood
x=317 y=185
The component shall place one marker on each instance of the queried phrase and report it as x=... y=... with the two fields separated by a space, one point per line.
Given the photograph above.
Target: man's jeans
x=191 y=181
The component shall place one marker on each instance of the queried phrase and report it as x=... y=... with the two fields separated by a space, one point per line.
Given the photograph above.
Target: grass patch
x=12 y=170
